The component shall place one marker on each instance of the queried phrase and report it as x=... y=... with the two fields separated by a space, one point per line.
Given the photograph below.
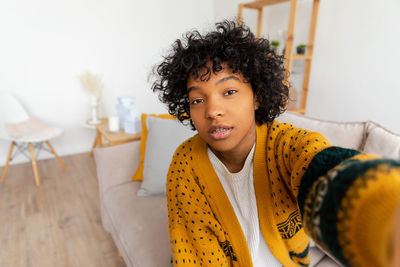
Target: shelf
x=299 y=57
x=291 y=58
x=298 y=110
x=262 y=3
x=302 y=57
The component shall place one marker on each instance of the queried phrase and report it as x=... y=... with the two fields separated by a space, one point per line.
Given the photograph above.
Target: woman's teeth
x=219 y=130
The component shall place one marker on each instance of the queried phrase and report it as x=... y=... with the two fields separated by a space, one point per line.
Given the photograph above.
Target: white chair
x=25 y=133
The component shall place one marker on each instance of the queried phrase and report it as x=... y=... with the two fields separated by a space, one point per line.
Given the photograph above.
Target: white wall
x=46 y=44
x=357 y=62
x=356 y=58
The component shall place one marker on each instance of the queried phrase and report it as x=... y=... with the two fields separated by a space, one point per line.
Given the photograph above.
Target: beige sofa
x=138 y=225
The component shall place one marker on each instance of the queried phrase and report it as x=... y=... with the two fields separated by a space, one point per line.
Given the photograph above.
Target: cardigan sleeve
x=289 y=153
x=347 y=199
x=196 y=237
x=349 y=210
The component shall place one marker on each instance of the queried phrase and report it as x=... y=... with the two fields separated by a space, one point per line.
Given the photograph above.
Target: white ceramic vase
x=94 y=105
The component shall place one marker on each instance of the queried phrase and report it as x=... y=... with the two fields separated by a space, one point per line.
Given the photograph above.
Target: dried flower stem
x=92 y=84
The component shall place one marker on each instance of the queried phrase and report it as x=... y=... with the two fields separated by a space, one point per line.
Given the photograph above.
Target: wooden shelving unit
x=289 y=56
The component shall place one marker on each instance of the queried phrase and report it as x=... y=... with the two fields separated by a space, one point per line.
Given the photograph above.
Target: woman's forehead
x=206 y=74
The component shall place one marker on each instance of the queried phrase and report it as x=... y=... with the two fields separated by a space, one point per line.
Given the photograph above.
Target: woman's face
x=222 y=110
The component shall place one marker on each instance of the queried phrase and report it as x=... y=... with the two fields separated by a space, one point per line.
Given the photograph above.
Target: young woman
x=248 y=190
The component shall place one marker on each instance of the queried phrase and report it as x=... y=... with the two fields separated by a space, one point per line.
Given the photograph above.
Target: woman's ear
x=256 y=103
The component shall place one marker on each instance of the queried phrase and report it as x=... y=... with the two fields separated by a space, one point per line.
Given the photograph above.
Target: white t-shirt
x=239 y=188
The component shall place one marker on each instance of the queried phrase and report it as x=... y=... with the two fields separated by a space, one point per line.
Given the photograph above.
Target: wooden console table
x=106 y=138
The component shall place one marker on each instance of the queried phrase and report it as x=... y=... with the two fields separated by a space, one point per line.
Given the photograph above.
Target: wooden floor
x=58 y=223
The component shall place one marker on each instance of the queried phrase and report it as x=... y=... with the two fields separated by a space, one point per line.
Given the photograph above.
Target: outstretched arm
x=349 y=210
x=346 y=198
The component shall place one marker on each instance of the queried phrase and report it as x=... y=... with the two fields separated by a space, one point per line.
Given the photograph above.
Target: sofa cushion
x=114 y=166
x=163 y=137
x=318 y=258
x=381 y=141
x=138 y=175
x=344 y=134
x=139 y=225
x=327 y=262
x=118 y=162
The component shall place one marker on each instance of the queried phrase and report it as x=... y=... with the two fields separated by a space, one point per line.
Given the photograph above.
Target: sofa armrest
x=381 y=141
x=344 y=134
x=116 y=164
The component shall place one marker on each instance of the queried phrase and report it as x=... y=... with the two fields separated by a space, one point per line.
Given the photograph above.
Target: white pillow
x=163 y=137
x=381 y=141
x=344 y=134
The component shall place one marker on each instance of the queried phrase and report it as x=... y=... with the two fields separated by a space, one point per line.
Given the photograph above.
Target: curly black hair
x=236 y=46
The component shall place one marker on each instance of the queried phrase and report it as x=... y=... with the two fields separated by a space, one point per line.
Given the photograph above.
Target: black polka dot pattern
x=289 y=152
x=195 y=233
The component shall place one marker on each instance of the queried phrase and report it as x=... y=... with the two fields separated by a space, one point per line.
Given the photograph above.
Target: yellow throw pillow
x=138 y=176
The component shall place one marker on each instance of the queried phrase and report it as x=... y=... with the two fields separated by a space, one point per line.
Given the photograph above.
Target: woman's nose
x=214 y=109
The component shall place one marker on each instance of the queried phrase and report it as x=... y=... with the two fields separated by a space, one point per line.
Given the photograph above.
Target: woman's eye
x=230 y=92
x=196 y=101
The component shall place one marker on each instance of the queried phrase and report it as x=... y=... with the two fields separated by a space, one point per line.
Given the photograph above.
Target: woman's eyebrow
x=192 y=88
x=216 y=83
x=226 y=79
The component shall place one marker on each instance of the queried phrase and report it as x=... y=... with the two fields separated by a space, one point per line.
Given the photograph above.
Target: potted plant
x=301 y=49
x=275 y=44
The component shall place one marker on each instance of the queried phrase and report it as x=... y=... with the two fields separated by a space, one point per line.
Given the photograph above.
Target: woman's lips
x=220 y=132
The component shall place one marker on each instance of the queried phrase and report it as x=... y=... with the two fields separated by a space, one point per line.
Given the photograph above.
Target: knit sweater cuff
x=365 y=221
x=359 y=196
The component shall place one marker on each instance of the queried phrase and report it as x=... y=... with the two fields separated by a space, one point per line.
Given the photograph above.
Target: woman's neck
x=233 y=161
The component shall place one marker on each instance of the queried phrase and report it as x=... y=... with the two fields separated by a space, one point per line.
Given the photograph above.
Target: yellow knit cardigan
x=203 y=228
